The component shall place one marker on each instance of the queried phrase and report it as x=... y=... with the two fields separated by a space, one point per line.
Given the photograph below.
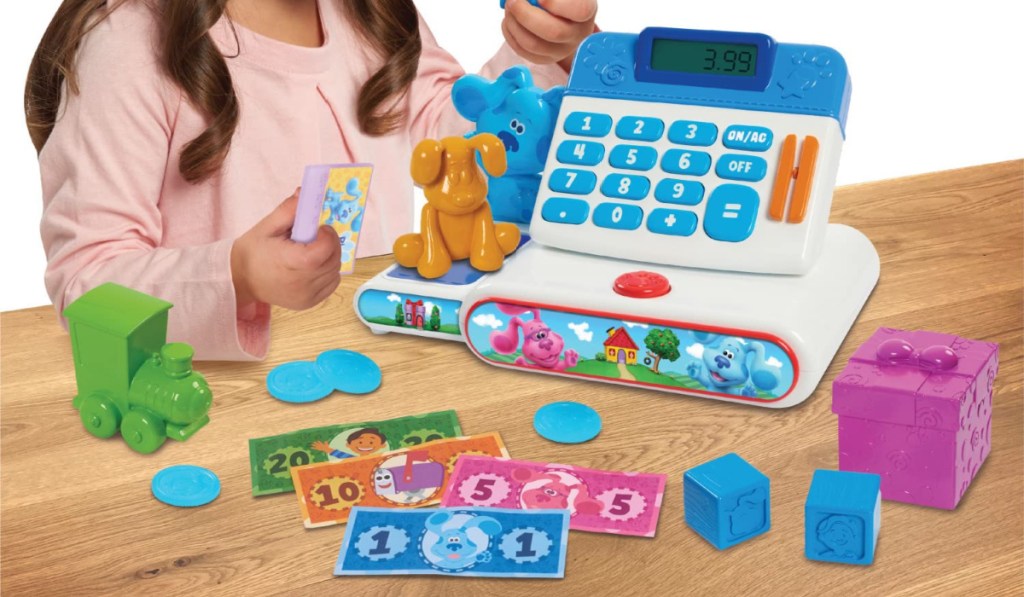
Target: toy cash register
x=680 y=240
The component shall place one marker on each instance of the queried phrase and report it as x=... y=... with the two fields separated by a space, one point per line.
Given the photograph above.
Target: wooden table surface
x=77 y=515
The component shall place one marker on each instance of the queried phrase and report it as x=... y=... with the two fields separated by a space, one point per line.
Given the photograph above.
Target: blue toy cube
x=727 y=501
x=842 y=517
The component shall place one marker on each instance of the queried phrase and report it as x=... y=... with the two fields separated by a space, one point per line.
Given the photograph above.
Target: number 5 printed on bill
x=598 y=501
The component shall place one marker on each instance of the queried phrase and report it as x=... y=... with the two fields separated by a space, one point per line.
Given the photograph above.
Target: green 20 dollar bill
x=271 y=458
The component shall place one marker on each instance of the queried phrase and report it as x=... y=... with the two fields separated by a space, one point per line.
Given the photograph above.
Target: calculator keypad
x=670 y=176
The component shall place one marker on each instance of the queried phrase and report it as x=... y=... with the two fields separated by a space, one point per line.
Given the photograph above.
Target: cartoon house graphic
x=415 y=313
x=619 y=347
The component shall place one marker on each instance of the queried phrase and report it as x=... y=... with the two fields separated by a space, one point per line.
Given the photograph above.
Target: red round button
x=642 y=284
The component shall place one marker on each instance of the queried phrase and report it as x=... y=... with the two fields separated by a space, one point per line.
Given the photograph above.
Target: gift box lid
x=912 y=378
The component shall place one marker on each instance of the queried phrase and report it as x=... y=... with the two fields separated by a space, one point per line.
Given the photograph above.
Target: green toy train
x=129 y=378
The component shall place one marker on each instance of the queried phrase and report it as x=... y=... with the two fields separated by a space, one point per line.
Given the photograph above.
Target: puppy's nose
x=722 y=362
x=545 y=344
x=453 y=546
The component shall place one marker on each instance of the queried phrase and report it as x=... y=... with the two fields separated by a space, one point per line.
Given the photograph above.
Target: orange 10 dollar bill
x=409 y=478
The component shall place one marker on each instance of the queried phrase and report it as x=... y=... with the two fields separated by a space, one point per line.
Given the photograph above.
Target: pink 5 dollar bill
x=598 y=501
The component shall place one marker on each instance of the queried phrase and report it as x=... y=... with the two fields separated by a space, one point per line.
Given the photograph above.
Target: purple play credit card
x=333 y=195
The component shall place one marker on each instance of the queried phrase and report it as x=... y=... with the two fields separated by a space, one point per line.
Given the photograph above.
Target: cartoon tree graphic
x=435 y=318
x=662 y=344
x=399 y=315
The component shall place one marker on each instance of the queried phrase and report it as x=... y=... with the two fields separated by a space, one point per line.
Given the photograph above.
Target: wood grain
x=77 y=515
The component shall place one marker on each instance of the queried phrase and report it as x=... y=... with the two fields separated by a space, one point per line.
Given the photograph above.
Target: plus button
x=670 y=220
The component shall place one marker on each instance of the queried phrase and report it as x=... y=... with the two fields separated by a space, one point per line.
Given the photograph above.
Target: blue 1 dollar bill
x=455 y=542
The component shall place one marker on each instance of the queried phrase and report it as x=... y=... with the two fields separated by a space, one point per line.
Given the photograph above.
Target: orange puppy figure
x=456 y=222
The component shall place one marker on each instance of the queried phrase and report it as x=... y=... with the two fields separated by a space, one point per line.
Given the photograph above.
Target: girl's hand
x=550 y=32
x=269 y=267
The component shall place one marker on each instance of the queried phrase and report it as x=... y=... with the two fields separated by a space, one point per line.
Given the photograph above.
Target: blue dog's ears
x=436 y=520
x=554 y=97
x=473 y=94
x=762 y=375
x=485 y=523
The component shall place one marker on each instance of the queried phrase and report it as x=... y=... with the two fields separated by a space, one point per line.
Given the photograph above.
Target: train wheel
x=99 y=415
x=143 y=431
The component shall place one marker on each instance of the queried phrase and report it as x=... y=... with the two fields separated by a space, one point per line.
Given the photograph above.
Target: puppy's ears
x=492 y=153
x=427 y=162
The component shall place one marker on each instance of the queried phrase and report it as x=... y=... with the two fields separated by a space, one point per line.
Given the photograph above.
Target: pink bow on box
x=897 y=351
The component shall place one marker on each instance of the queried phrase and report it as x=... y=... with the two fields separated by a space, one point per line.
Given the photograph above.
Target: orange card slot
x=780 y=190
x=804 y=178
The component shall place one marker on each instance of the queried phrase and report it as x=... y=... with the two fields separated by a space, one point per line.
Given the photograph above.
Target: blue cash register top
x=789 y=78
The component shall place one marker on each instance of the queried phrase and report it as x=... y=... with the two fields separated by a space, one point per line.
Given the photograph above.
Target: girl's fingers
x=546 y=25
x=518 y=48
x=532 y=43
x=579 y=11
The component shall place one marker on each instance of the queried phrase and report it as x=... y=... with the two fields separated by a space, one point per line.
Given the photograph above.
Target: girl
x=168 y=130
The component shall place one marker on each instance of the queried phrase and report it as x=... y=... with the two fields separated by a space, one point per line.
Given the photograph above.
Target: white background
x=936 y=85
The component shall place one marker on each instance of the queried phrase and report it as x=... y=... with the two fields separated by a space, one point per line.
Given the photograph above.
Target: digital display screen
x=700 y=57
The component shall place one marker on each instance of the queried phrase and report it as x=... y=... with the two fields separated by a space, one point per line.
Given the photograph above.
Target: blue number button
x=733 y=166
x=583 y=153
x=587 y=124
x=672 y=221
x=640 y=128
x=691 y=132
x=565 y=211
x=681 y=192
x=624 y=186
x=620 y=217
x=748 y=138
x=633 y=157
x=731 y=213
x=681 y=161
x=577 y=182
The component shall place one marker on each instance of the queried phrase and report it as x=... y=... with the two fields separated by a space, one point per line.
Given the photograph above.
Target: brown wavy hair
x=192 y=60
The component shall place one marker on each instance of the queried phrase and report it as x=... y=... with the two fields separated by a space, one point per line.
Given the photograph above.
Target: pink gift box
x=916 y=409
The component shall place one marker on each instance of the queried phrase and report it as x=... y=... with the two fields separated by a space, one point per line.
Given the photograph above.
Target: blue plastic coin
x=348 y=371
x=186 y=486
x=567 y=422
x=297 y=381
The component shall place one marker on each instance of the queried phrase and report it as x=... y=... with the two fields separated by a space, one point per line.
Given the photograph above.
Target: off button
x=642 y=284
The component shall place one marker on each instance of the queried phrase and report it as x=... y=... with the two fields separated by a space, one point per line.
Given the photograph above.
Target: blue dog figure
x=454 y=549
x=724 y=366
x=523 y=117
